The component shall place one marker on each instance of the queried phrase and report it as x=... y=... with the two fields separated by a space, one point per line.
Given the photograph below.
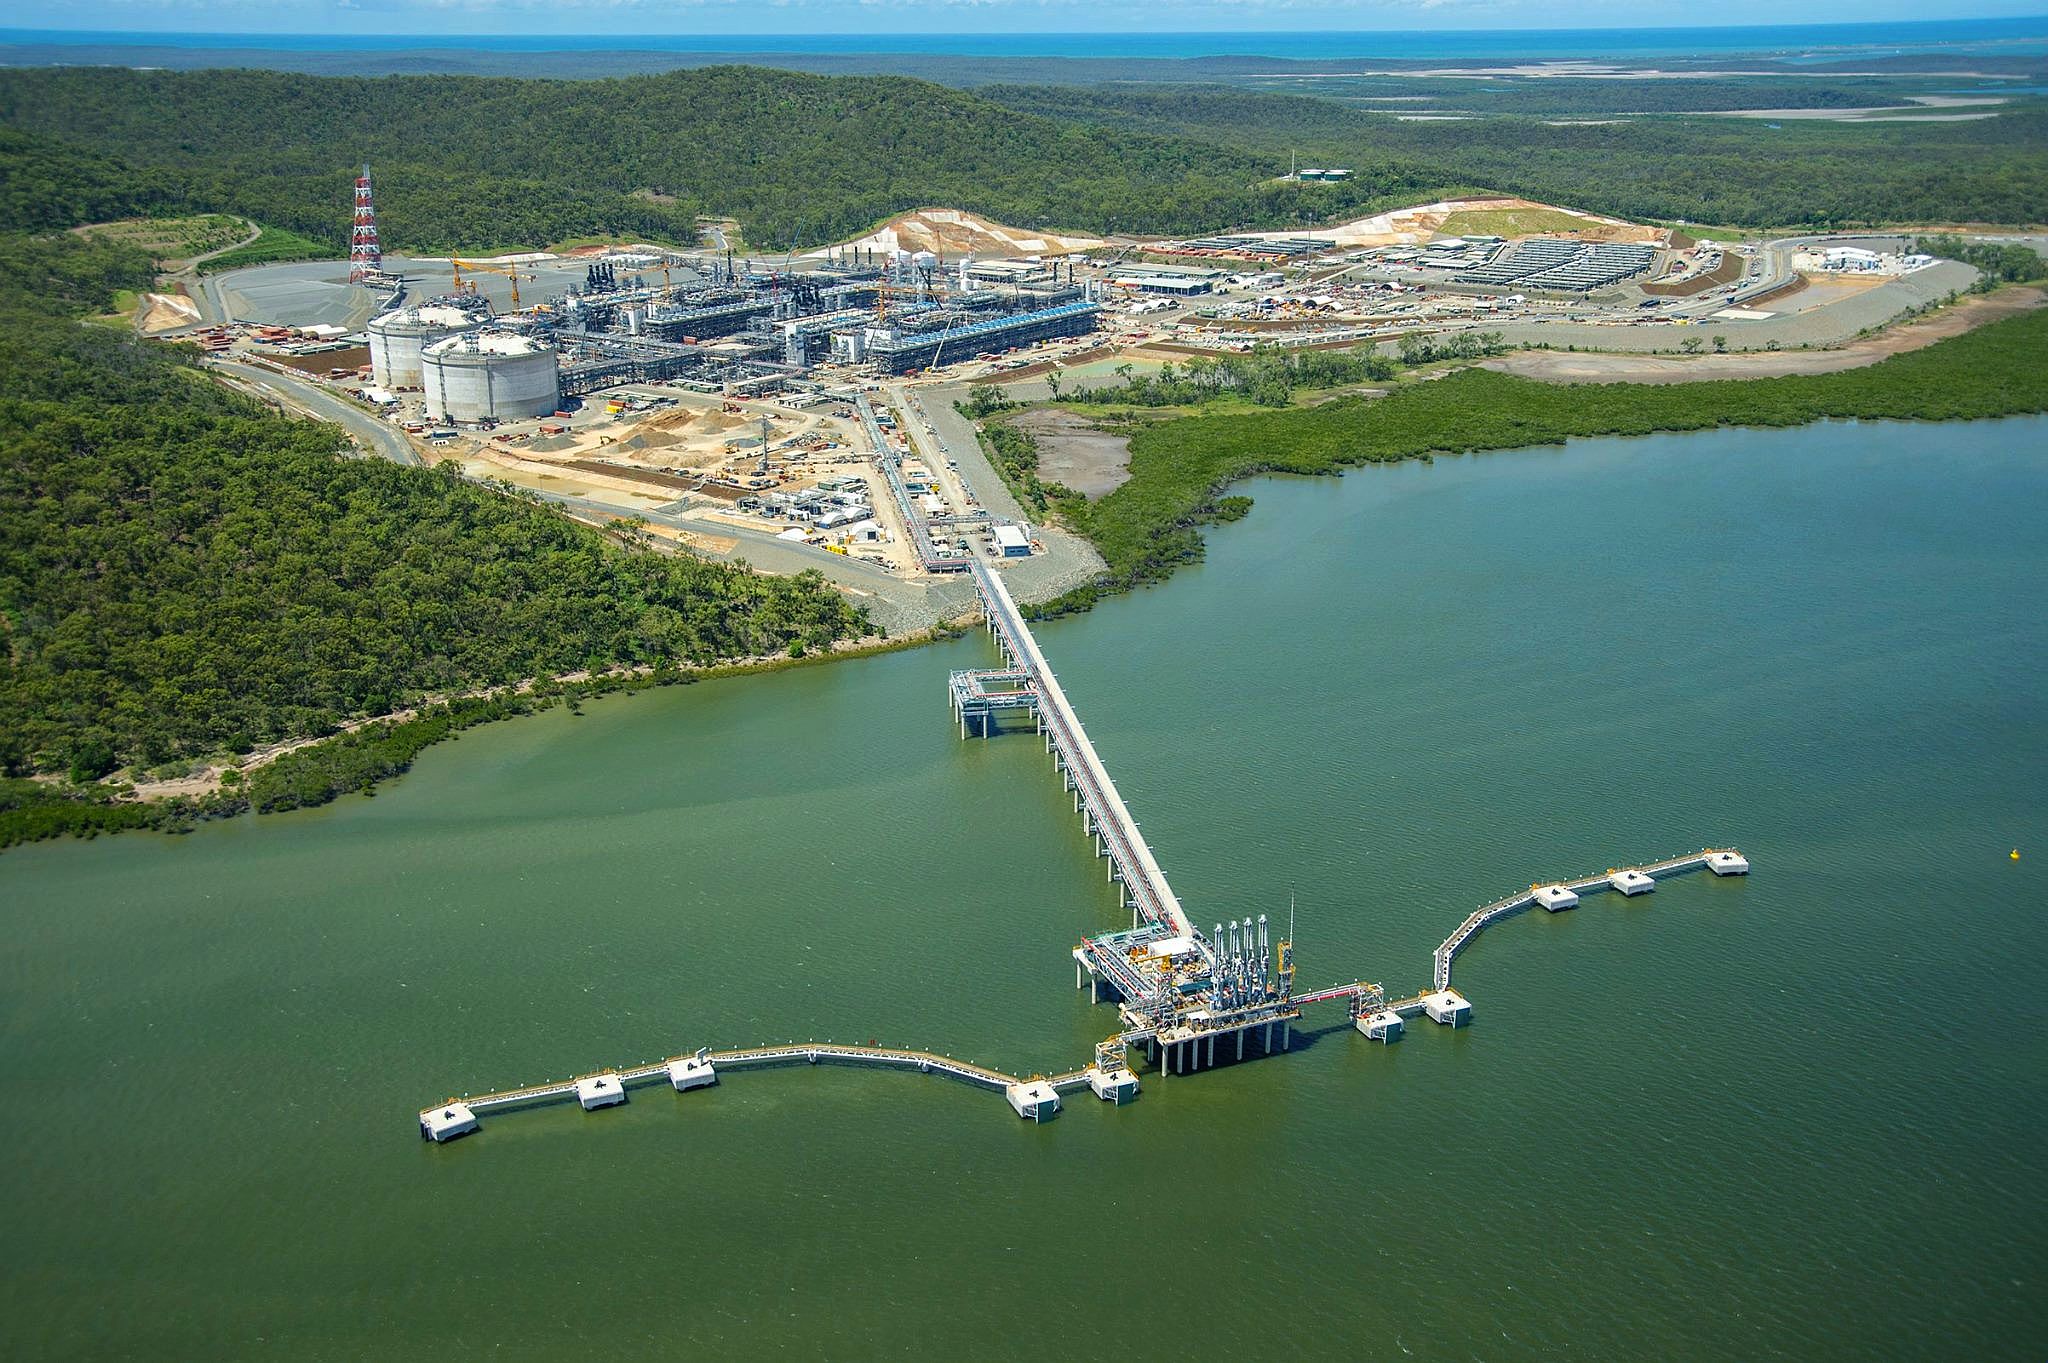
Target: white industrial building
x=1850 y=258
x=1179 y=281
x=490 y=376
x=398 y=338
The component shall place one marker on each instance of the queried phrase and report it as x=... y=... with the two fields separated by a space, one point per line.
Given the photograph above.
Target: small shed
x=600 y=1090
x=1117 y=1086
x=1035 y=1099
x=1385 y=1025
x=1448 y=1007
x=692 y=1072
x=1631 y=882
x=446 y=1123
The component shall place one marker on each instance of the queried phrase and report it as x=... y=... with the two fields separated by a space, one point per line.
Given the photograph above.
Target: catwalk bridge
x=1179 y=991
x=1033 y=687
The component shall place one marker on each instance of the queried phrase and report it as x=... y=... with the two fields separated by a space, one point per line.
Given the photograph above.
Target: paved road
x=309 y=398
x=898 y=605
x=1068 y=560
x=201 y=288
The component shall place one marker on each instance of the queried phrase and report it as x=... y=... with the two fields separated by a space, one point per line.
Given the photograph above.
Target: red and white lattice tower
x=365 y=256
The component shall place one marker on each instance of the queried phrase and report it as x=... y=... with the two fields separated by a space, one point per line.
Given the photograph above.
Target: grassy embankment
x=1180 y=468
x=171 y=240
x=272 y=245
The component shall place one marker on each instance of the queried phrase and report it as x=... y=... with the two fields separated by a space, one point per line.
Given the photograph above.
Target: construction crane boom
x=486 y=267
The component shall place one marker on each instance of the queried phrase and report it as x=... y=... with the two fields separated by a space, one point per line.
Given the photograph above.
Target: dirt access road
x=1563 y=367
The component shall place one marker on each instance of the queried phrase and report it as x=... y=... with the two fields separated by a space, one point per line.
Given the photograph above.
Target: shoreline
x=1182 y=468
x=1163 y=537
x=409 y=731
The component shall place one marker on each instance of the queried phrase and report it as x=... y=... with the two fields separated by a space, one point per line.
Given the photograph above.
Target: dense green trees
x=66 y=274
x=46 y=184
x=1267 y=376
x=183 y=572
x=1741 y=172
x=473 y=163
x=2001 y=262
x=1180 y=468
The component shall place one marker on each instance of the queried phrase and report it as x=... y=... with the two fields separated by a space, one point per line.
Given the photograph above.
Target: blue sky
x=533 y=18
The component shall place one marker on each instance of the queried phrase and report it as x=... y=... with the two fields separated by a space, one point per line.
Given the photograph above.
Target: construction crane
x=668 y=261
x=882 y=291
x=483 y=266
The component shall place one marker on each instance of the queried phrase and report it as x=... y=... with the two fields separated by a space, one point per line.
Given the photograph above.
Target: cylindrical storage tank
x=924 y=262
x=490 y=376
x=397 y=339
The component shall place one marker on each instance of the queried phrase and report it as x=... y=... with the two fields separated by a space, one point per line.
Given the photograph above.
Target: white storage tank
x=490 y=376
x=397 y=338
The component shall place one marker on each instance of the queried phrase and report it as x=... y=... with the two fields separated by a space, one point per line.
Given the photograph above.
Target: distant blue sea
x=1808 y=41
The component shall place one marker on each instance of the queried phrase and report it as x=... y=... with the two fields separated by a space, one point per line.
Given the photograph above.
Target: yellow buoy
x=2015 y=854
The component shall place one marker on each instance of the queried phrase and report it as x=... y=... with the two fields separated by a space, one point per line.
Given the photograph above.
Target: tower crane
x=882 y=292
x=485 y=267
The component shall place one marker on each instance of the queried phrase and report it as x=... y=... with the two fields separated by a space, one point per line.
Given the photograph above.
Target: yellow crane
x=486 y=267
x=882 y=291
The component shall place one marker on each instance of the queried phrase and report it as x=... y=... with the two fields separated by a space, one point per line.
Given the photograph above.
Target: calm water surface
x=1795 y=1117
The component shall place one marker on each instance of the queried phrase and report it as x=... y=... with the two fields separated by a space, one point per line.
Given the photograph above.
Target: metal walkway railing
x=1488 y=914
x=1111 y=820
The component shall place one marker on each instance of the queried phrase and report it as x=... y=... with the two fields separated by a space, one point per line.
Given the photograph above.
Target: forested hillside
x=473 y=163
x=1742 y=172
x=183 y=571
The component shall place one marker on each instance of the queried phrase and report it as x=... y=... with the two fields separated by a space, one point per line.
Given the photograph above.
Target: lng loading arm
x=1178 y=990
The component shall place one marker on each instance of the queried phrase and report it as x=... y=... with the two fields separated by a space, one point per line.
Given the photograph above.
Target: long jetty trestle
x=1186 y=999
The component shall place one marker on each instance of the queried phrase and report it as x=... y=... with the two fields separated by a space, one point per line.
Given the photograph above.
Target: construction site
x=769 y=409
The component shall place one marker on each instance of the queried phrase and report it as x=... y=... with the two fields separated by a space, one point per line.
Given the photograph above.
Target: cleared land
x=1560 y=367
x=1500 y=215
x=1511 y=222
x=172 y=241
x=956 y=232
x=1073 y=452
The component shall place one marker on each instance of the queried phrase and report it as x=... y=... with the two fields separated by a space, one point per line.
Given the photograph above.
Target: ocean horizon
x=1796 y=41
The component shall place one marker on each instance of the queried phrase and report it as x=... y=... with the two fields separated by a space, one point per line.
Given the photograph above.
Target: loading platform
x=1181 y=994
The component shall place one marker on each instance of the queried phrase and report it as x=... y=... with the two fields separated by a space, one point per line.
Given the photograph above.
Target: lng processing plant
x=1184 y=998
x=732 y=329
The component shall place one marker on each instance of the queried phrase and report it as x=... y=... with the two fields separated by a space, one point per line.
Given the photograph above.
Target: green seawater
x=1794 y=1117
